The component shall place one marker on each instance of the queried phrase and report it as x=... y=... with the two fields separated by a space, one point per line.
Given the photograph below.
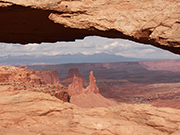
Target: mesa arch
x=155 y=22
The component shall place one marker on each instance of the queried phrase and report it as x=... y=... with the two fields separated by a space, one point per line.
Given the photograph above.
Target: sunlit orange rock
x=76 y=87
x=92 y=88
x=88 y=97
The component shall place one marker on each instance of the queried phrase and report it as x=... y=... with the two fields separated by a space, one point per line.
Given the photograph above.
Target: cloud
x=2 y=46
x=89 y=45
x=86 y=53
x=116 y=46
x=106 y=46
x=149 y=50
x=114 y=43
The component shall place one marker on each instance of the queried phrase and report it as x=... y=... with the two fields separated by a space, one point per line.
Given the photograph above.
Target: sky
x=87 y=46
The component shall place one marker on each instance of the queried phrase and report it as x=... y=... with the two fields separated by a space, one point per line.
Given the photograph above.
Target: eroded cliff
x=88 y=97
x=49 y=76
x=153 y=22
x=23 y=78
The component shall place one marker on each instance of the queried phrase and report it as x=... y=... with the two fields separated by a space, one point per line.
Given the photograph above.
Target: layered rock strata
x=70 y=77
x=22 y=78
x=50 y=76
x=32 y=113
x=152 y=22
x=9 y=74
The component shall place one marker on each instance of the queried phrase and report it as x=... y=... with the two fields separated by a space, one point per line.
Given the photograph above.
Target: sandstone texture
x=77 y=85
x=155 y=22
x=91 y=100
x=22 y=78
x=50 y=77
x=34 y=113
x=9 y=74
x=88 y=97
x=92 y=88
x=69 y=78
x=166 y=103
x=29 y=109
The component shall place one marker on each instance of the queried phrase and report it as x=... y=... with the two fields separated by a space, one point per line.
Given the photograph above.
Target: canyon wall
x=152 y=22
x=49 y=76
x=71 y=73
x=23 y=74
x=10 y=74
x=23 y=78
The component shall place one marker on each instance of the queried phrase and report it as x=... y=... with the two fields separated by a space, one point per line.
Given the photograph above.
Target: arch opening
x=27 y=25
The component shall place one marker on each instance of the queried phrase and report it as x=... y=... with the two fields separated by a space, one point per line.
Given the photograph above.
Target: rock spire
x=92 y=84
x=77 y=85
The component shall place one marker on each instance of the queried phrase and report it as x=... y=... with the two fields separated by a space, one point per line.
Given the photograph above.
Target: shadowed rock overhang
x=149 y=22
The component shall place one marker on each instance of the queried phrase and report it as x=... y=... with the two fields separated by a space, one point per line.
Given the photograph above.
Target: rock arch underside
x=155 y=22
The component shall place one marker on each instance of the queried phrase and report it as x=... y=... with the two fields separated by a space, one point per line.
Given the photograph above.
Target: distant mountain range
x=65 y=58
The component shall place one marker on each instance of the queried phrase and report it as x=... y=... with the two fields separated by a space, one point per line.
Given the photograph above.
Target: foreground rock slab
x=31 y=113
x=153 y=22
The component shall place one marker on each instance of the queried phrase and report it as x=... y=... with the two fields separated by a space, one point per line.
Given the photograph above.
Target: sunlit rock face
x=88 y=97
x=50 y=77
x=31 y=113
x=154 y=22
x=92 y=88
x=73 y=72
x=22 y=78
x=10 y=74
x=76 y=87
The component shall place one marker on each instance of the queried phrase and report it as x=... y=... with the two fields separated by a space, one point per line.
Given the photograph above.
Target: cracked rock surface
x=31 y=113
x=154 y=22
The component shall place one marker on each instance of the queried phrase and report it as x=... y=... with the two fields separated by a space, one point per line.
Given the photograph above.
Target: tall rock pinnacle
x=92 y=84
x=76 y=87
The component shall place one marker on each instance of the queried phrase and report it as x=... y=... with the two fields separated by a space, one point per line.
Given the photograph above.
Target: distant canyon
x=151 y=82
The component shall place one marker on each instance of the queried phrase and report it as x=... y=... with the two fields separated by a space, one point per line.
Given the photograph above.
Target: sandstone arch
x=153 y=22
